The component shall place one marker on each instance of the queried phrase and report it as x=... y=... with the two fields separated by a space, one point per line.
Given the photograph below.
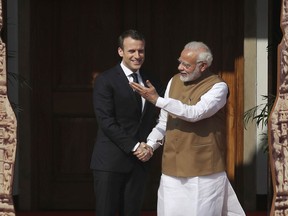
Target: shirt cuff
x=160 y=102
x=135 y=147
x=153 y=145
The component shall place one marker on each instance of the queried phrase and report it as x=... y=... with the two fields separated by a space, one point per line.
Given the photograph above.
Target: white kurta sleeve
x=210 y=103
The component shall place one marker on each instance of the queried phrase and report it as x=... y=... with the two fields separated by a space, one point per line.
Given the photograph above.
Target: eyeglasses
x=186 y=65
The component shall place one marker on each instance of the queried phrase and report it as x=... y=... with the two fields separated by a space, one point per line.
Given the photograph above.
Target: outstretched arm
x=210 y=103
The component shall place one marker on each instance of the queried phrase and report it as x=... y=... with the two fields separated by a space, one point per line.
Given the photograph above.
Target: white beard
x=191 y=76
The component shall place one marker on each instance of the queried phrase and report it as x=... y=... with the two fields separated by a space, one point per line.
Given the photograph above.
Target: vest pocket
x=200 y=159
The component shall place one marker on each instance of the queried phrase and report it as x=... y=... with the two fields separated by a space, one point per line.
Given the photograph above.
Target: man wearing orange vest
x=192 y=120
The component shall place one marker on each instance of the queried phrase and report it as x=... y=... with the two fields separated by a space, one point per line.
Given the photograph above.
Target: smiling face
x=188 y=66
x=132 y=53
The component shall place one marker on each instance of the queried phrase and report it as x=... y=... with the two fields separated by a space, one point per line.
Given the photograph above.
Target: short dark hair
x=130 y=33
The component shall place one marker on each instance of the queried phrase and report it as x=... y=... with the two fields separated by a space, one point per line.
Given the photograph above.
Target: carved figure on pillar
x=278 y=125
x=8 y=128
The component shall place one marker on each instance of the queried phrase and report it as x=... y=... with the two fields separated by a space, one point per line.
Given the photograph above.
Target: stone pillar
x=8 y=126
x=278 y=125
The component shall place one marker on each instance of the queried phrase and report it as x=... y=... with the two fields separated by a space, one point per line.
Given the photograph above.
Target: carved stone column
x=8 y=125
x=278 y=125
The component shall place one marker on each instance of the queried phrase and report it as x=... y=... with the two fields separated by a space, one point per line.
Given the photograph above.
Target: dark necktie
x=138 y=97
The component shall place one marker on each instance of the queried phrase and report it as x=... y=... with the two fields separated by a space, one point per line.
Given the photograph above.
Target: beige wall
x=255 y=78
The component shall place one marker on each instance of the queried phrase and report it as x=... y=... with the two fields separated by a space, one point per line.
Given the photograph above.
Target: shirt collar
x=127 y=71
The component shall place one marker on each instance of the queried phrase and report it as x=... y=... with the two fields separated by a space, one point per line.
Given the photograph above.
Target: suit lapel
x=123 y=79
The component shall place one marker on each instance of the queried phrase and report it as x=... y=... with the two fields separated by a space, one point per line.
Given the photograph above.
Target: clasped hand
x=144 y=152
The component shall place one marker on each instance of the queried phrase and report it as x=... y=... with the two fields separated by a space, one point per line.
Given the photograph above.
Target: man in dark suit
x=123 y=123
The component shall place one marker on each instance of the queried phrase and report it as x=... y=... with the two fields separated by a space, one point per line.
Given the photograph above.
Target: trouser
x=119 y=192
x=210 y=195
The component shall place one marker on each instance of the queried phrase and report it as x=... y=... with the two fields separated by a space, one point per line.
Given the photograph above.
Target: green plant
x=260 y=114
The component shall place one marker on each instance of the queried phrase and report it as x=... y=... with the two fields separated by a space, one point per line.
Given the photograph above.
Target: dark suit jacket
x=120 y=122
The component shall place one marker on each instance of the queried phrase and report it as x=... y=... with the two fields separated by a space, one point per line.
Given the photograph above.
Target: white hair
x=204 y=53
